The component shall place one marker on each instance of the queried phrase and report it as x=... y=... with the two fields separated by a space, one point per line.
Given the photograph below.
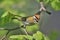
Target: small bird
x=35 y=18
x=30 y=19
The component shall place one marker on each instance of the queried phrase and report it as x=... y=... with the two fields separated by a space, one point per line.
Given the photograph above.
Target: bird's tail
x=15 y=16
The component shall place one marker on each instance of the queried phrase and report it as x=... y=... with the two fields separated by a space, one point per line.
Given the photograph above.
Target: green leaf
x=2 y=32
x=32 y=28
x=55 y=4
x=21 y=37
x=54 y=35
x=4 y=14
x=38 y=35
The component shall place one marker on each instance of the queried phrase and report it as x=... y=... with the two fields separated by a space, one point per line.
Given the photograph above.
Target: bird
x=29 y=20
x=34 y=19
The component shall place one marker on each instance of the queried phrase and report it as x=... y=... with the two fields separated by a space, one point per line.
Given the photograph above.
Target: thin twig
x=9 y=30
x=24 y=26
x=43 y=8
x=25 y=31
x=4 y=37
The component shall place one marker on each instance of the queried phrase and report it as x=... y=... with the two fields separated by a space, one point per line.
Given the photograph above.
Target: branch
x=4 y=37
x=9 y=30
x=43 y=8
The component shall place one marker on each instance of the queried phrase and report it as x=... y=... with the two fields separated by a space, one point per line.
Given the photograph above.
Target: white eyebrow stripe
x=34 y=17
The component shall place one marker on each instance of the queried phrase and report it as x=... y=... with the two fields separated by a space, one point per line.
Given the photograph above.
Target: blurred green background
x=49 y=26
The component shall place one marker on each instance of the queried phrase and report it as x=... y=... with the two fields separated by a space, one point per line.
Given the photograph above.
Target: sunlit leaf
x=4 y=14
x=21 y=37
x=32 y=28
x=55 y=4
x=38 y=35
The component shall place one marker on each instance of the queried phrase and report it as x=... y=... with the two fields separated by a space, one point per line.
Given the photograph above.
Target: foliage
x=23 y=8
x=54 y=35
x=54 y=3
x=36 y=36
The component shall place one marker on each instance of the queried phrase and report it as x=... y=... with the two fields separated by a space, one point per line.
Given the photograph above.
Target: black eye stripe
x=36 y=18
